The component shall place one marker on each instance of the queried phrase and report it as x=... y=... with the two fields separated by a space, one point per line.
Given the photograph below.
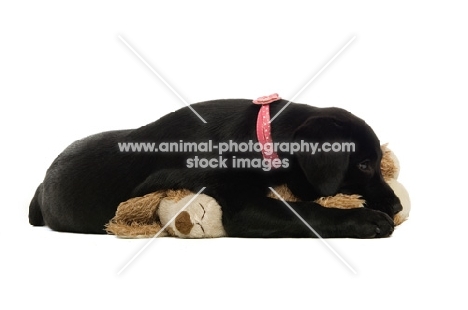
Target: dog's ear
x=325 y=168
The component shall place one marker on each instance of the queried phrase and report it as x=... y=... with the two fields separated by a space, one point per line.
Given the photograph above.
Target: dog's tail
x=35 y=213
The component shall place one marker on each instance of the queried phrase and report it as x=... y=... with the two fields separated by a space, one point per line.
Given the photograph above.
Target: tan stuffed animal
x=144 y=217
x=390 y=167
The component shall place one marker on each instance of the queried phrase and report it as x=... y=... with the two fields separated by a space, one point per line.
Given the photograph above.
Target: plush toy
x=144 y=217
x=390 y=167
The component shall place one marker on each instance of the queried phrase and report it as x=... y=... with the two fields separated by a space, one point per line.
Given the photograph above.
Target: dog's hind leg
x=35 y=213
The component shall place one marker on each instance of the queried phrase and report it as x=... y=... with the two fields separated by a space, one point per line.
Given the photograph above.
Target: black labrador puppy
x=85 y=184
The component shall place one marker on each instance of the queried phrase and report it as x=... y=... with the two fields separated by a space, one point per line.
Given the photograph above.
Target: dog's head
x=346 y=159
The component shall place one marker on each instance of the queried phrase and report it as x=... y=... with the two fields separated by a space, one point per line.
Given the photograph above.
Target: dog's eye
x=364 y=165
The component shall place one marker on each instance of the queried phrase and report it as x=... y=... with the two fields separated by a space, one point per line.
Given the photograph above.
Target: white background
x=64 y=74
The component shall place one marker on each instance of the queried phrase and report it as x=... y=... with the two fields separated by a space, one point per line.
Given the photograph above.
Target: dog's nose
x=397 y=207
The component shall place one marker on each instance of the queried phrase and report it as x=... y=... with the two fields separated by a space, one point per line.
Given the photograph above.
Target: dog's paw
x=367 y=223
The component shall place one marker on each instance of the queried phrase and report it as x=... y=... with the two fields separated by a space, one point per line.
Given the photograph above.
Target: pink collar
x=264 y=128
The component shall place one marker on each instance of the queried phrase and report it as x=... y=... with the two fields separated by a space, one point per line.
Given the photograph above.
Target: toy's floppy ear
x=389 y=165
x=323 y=167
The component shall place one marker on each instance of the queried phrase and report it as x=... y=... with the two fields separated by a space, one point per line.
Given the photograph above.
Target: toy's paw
x=183 y=223
x=367 y=223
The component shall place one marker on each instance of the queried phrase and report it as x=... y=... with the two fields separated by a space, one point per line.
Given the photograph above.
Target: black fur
x=85 y=184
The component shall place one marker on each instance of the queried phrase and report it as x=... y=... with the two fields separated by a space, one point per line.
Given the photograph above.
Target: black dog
x=85 y=184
